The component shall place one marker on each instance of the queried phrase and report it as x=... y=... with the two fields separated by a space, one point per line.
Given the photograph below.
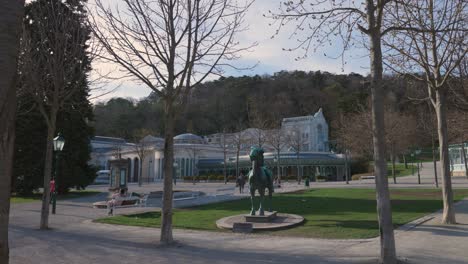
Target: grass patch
x=25 y=199
x=400 y=170
x=329 y=213
x=38 y=196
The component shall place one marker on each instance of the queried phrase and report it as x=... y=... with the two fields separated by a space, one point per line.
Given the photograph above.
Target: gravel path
x=75 y=239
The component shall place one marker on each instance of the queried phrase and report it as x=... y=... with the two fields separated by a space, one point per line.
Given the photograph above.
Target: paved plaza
x=75 y=239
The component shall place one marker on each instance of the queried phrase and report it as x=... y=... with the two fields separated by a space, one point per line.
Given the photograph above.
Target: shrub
x=321 y=178
x=187 y=178
x=202 y=177
x=356 y=177
x=210 y=177
x=360 y=166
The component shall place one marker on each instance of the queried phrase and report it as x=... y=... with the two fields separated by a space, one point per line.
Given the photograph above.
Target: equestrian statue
x=260 y=178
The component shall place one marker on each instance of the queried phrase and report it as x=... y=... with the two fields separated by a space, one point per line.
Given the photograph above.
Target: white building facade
x=195 y=155
x=313 y=131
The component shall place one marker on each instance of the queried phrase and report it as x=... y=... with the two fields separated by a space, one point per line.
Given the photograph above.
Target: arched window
x=129 y=169
x=136 y=169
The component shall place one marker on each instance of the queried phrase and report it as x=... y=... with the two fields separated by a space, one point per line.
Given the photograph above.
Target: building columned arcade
x=304 y=150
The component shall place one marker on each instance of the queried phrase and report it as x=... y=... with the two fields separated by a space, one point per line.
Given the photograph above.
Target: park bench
x=131 y=201
x=367 y=178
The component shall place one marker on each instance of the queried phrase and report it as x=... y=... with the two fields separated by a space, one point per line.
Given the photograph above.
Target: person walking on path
x=241 y=182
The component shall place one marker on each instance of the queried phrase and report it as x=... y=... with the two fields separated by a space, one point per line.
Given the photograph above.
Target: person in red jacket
x=52 y=190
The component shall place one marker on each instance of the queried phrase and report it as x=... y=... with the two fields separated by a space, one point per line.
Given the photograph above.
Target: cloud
x=269 y=53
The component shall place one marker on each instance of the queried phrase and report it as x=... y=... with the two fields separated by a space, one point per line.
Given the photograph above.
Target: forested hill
x=234 y=103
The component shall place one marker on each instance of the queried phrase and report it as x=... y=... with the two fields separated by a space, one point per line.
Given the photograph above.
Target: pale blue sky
x=268 y=53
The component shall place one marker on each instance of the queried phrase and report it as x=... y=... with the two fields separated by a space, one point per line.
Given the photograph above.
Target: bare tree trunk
x=384 y=210
x=140 y=173
x=393 y=168
x=346 y=167
x=448 y=216
x=166 y=211
x=237 y=164
x=464 y=159
x=224 y=168
x=48 y=171
x=297 y=169
x=405 y=161
x=434 y=160
x=10 y=27
x=278 y=166
x=419 y=174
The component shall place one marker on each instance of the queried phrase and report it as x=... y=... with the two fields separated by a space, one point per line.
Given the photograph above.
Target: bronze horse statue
x=260 y=178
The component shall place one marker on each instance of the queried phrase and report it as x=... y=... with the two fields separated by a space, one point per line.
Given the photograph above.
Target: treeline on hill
x=73 y=169
x=234 y=103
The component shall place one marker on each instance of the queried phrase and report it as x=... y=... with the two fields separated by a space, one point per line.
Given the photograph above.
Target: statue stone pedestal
x=270 y=221
x=267 y=218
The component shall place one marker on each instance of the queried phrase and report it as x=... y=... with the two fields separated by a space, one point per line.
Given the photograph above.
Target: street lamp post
x=419 y=175
x=59 y=142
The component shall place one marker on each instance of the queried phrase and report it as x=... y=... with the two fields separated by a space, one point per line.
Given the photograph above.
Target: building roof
x=108 y=139
x=188 y=138
x=151 y=139
x=317 y=114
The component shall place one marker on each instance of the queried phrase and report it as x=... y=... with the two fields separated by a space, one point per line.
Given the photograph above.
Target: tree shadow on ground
x=96 y=245
x=444 y=230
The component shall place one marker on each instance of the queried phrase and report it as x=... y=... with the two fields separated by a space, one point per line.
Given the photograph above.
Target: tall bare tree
x=11 y=14
x=434 y=43
x=224 y=144
x=353 y=23
x=238 y=140
x=276 y=138
x=194 y=151
x=143 y=150
x=170 y=46
x=401 y=134
x=428 y=124
x=52 y=67
x=116 y=150
x=260 y=124
x=356 y=132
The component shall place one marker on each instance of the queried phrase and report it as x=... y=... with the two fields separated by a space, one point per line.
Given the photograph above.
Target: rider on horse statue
x=260 y=178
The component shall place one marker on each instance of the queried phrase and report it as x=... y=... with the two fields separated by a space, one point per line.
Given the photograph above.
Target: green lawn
x=329 y=213
x=38 y=196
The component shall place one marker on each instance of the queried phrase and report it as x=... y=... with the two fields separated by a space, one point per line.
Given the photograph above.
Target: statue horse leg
x=252 y=196
x=261 y=191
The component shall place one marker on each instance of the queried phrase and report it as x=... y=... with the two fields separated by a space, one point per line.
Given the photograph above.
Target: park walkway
x=75 y=239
